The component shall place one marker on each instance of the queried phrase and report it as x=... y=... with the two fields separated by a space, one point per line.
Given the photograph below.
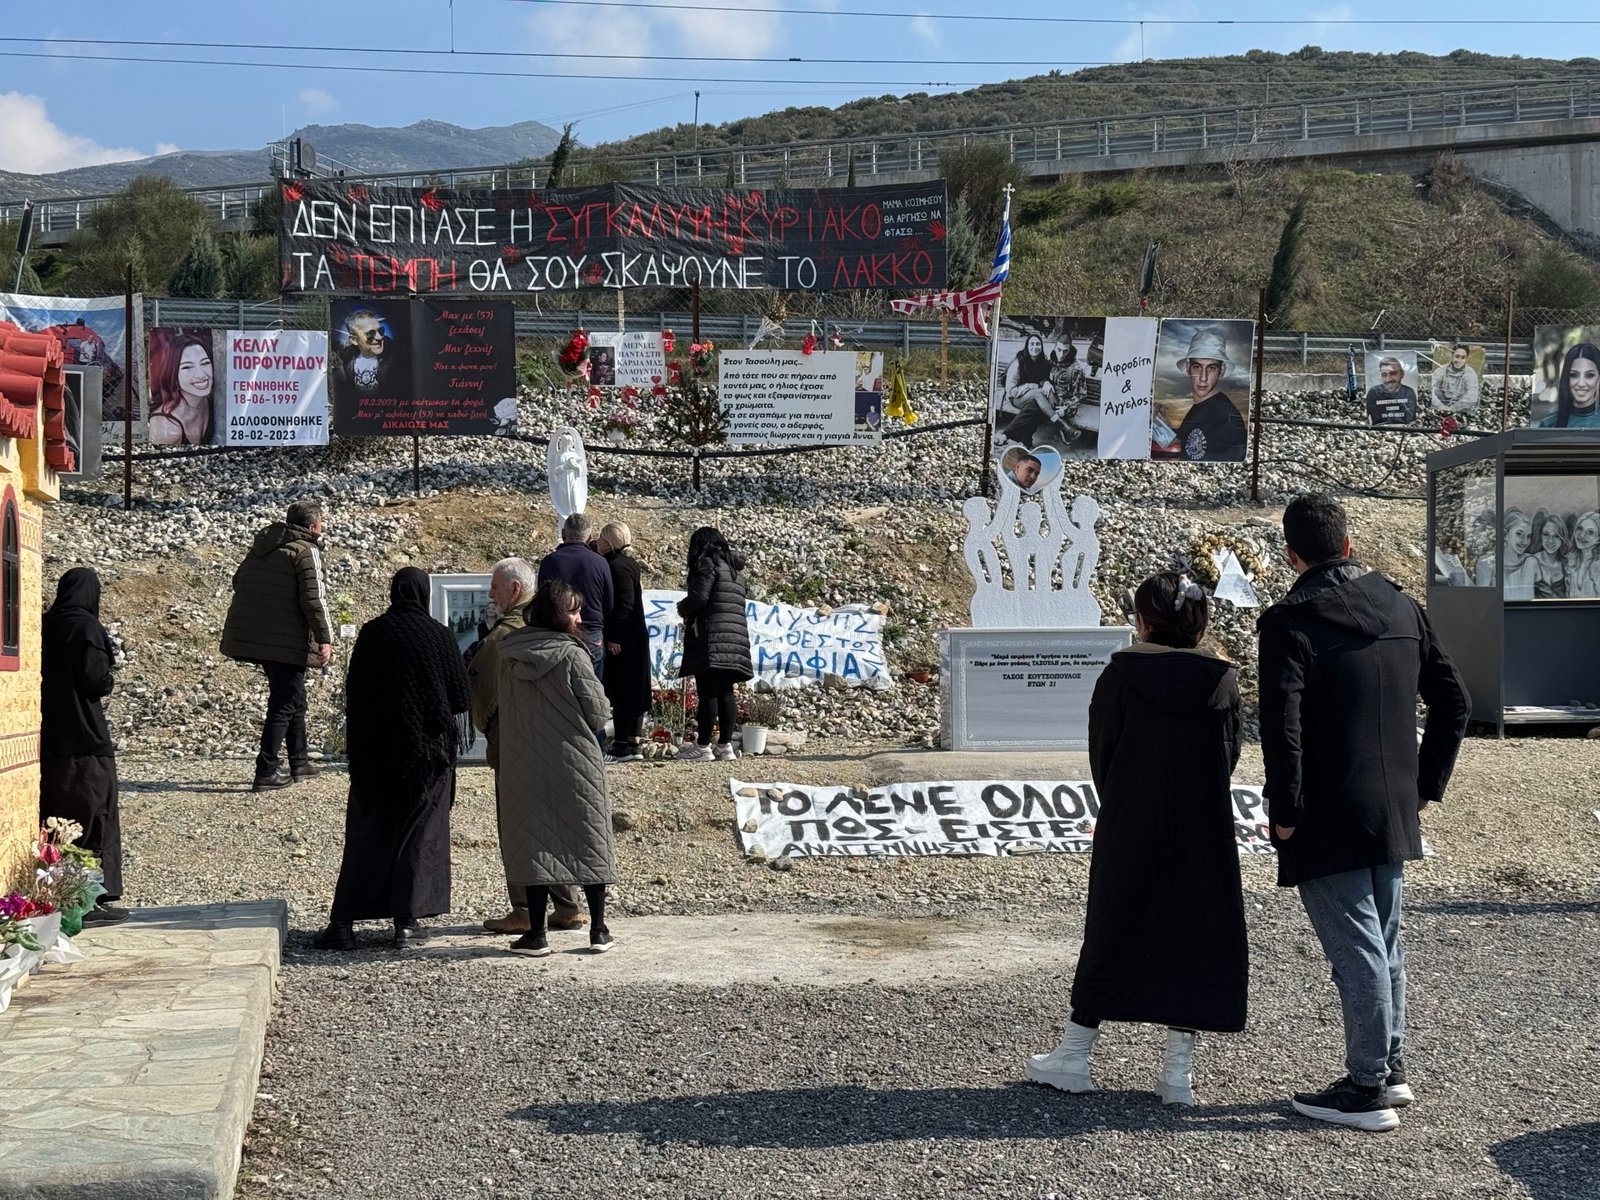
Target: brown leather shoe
x=576 y=921
x=515 y=921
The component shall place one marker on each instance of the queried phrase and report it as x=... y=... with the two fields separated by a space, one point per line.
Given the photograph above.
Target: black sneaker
x=339 y=935
x=305 y=770
x=531 y=945
x=1348 y=1103
x=599 y=941
x=270 y=783
x=105 y=914
x=1395 y=1087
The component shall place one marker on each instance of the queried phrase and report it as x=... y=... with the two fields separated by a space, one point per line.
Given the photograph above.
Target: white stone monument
x=569 y=474
x=1021 y=676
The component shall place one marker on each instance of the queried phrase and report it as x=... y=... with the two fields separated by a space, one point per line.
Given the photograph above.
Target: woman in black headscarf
x=77 y=758
x=404 y=690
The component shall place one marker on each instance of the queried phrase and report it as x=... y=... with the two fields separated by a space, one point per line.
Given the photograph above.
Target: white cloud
x=316 y=102
x=925 y=29
x=34 y=145
x=662 y=30
x=167 y=148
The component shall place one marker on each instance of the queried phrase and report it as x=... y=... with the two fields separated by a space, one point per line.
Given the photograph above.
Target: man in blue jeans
x=1344 y=657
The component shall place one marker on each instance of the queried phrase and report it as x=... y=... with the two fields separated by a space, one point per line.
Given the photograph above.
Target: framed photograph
x=461 y=604
x=1549 y=545
x=82 y=398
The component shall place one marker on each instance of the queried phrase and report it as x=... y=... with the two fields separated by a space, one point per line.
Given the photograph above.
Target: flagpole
x=985 y=469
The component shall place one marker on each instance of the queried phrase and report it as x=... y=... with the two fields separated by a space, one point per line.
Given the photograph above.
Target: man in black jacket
x=1343 y=659
x=279 y=618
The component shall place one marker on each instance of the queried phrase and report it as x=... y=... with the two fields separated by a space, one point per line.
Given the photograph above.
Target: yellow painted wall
x=19 y=690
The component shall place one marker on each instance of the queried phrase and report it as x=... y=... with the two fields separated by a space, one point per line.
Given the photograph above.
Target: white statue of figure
x=1050 y=569
x=569 y=473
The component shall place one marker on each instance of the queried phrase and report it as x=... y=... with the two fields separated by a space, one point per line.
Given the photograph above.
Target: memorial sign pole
x=944 y=349
x=416 y=465
x=127 y=394
x=1505 y=366
x=1255 y=441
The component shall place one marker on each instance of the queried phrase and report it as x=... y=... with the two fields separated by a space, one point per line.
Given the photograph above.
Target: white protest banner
x=788 y=398
x=637 y=359
x=962 y=819
x=277 y=387
x=789 y=646
x=1127 y=382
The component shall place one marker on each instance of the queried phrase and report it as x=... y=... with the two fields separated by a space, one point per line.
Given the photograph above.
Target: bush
x=1113 y=198
x=1554 y=278
x=1036 y=206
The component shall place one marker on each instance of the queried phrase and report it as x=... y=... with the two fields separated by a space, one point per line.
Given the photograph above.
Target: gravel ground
x=427 y=1076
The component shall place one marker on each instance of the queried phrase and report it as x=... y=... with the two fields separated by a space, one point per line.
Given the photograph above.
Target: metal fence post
x=155 y=310
x=905 y=339
x=241 y=312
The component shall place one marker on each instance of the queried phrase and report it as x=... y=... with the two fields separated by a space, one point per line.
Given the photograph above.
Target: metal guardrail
x=1282 y=350
x=1077 y=141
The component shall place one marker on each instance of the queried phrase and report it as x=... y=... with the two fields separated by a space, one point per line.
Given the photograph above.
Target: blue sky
x=57 y=112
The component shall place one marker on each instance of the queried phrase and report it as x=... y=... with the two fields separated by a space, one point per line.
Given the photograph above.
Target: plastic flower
x=668 y=340
x=809 y=344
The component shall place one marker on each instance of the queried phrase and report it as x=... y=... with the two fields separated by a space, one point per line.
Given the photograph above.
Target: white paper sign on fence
x=787 y=398
x=1127 y=382
x=277 y=387
x=988 y=817
x=637 y=359
x=789 y=646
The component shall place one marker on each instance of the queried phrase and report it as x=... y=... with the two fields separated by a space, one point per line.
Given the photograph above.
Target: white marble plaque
x=1022 y=689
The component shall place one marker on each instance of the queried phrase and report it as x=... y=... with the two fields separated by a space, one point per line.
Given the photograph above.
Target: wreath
x=1203 y=566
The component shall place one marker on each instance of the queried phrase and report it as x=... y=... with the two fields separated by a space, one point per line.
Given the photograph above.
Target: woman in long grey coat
x=555 y=816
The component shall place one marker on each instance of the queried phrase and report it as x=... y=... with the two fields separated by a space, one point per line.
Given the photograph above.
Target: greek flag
x=1002 y=252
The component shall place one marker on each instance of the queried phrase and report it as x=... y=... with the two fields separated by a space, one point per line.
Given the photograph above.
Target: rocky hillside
x=842 y=526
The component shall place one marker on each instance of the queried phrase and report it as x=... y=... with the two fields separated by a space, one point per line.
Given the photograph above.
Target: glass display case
x=1514 y=585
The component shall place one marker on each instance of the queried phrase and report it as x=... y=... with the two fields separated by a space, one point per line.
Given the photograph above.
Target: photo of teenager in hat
x=1196 y=419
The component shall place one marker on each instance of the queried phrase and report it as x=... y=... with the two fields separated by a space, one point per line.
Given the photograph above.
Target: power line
x=992 y=18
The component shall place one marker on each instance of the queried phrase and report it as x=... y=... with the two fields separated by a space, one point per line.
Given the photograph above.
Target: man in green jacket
x=279 y=619
x=511 y=587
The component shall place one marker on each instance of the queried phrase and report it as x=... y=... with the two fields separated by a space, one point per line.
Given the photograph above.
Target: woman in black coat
x=627 y=640
x=404 y=691
x=77 y=758
x=1164 y=937
x=716 y=640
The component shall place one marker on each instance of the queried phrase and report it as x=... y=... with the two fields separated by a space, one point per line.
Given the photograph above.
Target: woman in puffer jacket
x=716 y=640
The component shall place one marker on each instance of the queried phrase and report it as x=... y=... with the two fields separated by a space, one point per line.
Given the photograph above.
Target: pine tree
x=1287 y=281
x=559 y=157
x=199 y=275
x=962 y=246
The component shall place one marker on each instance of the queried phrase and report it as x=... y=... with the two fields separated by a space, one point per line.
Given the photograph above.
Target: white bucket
x=753 y=739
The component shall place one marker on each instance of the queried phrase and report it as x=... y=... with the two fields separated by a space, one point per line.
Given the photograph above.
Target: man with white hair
x=511 y=586
x=575 y=561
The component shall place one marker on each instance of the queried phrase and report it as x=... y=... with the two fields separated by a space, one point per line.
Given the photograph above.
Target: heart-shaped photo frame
x=1033 y=469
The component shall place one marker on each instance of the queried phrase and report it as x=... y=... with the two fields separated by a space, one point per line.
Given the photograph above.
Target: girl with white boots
x=1164 y=935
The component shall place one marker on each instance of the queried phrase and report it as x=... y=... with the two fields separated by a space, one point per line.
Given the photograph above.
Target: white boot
x=1067 y=1066
x=1176 y=1085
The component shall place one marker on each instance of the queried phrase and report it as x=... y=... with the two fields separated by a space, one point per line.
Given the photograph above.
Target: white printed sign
x=988 y=817
x=788 y=398
x=1127 y=382
x=637 y=359
x=277 y=387
x=789 y=647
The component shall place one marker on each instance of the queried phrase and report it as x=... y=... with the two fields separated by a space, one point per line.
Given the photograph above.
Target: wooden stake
x=944 y=349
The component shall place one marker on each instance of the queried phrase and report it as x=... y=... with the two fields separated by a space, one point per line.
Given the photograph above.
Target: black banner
x=430 y=367
x=350 y=239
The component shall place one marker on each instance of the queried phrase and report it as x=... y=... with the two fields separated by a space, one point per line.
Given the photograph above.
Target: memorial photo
x=185 y=395
x=1566 y=377
x=366 y=357
x=869 y=391
x=1392 y=387
x=1042 y=382
x=602 y=366
x=1455 y=376
x=1202 y=390
x=461 y=603
x=1550 y=539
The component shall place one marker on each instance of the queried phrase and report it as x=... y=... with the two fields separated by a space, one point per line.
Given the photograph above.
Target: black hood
x=280 y=534
x=1347 y=596
x=1177 y=683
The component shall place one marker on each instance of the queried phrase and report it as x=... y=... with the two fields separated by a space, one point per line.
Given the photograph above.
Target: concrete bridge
x=1538 y=139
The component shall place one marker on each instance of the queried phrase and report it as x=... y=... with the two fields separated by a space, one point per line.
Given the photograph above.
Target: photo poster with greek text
x=185 y=370
x=957 y=819
x=1393 y=380
x=790 y=646
x=338 y=238
x=1126 y=375
x=636 y=360
x=435 y=367
x=93 y=333
x=277 y=387
x=790 y=398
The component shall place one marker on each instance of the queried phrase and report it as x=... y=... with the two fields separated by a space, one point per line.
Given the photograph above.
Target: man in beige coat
x=510 y=588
